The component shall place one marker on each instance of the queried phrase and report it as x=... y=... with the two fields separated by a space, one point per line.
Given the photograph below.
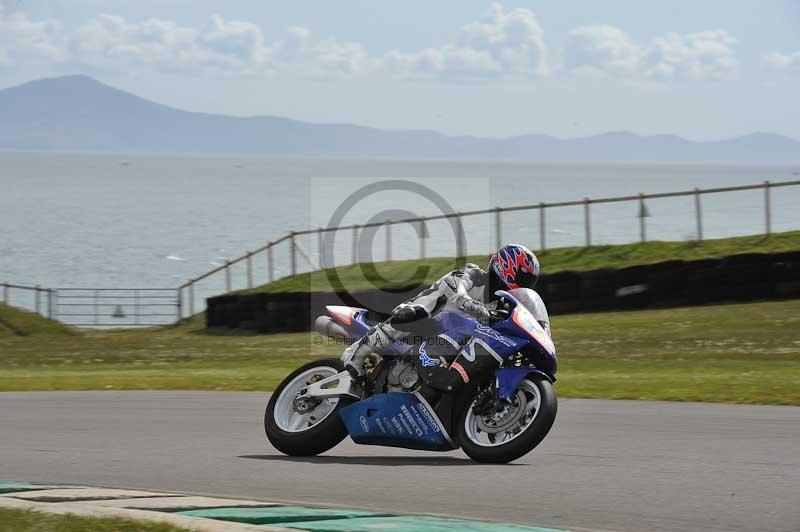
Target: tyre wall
x=739 y=278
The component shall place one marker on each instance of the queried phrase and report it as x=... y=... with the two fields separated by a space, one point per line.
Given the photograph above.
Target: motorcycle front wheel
x=309 y=427
x=514 y=428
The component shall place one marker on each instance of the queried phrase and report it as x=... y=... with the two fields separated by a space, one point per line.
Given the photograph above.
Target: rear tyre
x=316 y=427
x=512 y=433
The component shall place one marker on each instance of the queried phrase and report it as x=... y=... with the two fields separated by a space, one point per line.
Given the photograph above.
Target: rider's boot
x=377 y=338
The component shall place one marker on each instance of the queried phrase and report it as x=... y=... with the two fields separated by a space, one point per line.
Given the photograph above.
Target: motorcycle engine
x=402 y=377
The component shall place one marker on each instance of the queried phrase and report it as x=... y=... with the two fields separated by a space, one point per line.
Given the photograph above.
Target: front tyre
x=513 y=428
x=305 y=428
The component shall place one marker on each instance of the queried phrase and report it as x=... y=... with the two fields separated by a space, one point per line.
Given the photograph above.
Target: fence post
x=292 y=254
x=5 y=294
x=50 y=303
x=642 y=221
x=355 y=244
x=249 y=269
x=38 y=299
x=227 y=276
x=498 y=227
x=54 y=294
x=270 y=264
x=191 y=299
x=96 y=307
x=136 y=307
x=179 y=302
x=542 y=232
x=698 y=212
x=587 y=221
x=388 y=241
x=767 y=209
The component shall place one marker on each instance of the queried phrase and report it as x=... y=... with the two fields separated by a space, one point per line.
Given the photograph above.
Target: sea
x=135 y=220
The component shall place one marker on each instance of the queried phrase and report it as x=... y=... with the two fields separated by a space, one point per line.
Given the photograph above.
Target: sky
x=702 y=70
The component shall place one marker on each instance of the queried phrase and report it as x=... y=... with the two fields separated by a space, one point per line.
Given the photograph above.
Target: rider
x=468 y=289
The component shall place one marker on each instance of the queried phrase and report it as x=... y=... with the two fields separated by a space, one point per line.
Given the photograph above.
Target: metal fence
x=116 y=307
x=98 y=307
x=261 y=262
x=33 y=297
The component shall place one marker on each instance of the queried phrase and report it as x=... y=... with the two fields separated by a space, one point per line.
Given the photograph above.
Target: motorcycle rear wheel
x=302 y=434
x=528 y=418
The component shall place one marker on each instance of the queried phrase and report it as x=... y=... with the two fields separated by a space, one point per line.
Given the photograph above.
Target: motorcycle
x=420 y=395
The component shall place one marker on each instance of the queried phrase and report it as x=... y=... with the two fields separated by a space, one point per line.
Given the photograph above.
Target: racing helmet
x=513 y=266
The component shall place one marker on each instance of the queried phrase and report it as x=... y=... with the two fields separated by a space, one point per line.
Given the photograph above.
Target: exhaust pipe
x=327 y=327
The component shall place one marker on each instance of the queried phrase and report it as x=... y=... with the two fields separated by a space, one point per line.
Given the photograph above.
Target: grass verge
x=743 y=353
x=12 y=520
x=400 y=273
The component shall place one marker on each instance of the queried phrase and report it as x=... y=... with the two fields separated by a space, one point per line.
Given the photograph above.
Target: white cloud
x=225 y=46
x=603 y=47
x=503 y=43
x=332 y=57
x=783 y=62
x=22 y=39
x=693 y=56
x=294 y=44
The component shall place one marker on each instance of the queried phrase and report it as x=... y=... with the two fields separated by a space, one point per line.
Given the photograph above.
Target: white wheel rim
x=290 y=420
x=533 y=402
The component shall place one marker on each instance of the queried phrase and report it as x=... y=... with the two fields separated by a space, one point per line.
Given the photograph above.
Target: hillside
x=18 y=322
x=78 y=113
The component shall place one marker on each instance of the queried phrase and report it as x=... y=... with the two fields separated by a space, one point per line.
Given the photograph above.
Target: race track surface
x=607 y=465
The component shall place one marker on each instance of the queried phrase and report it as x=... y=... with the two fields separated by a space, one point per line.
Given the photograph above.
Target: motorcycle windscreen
x=396 y=419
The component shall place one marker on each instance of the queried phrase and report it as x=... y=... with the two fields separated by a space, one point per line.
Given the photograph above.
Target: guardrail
x=116 y=307
x=99 y=307
x=187 y=290
x=182 y=298
x=37 y=295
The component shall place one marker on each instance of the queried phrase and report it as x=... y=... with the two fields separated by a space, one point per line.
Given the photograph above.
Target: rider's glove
x=404 y=314
x=498 y=315
x=474 y=308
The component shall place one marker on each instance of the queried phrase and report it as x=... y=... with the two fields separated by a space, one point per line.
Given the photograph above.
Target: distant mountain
x=78 y=113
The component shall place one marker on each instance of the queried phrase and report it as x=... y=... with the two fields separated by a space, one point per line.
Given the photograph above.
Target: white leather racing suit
x=464 y=290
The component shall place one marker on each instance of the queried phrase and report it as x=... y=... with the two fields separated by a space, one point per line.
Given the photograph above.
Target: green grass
x=13 y=520
x=399 y=273
x=15 y=322
x=744 y=353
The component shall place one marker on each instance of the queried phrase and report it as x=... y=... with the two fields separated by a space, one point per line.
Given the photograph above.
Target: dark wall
x=748 y=277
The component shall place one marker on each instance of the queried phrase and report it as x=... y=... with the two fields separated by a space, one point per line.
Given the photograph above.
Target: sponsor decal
x=364 y=423
x=469 y=352
x=431 y=421
x=491 y=333
x=631 y=290
x=461 y=371
x=405 y=425
x=423 y=423
x=426 y=360
x=411 y=421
